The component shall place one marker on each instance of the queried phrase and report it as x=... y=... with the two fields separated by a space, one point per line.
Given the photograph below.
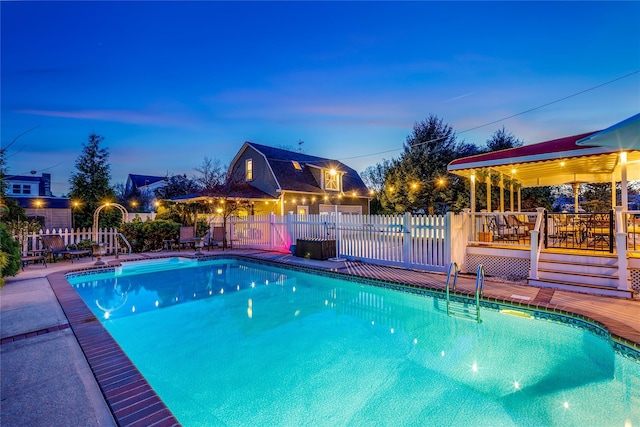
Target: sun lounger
x=55 y=246
x=25 y=260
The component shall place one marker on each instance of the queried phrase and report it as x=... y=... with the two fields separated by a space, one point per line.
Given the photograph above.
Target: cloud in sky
x=167 y=83
x=120 y=116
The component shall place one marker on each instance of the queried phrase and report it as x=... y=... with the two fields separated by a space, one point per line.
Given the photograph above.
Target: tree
x=374 y=178
x=9 y=254
x=177 y=185
x=212 y=174
x=419 y=181
x=502 y=140
x=90 y=185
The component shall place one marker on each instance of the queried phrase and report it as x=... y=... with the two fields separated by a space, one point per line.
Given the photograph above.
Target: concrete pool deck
x=48 y=378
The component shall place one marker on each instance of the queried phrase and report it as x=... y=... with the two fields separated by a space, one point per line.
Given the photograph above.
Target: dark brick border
x=129 y=396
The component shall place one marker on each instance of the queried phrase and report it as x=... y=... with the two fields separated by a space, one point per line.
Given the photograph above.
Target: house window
x=296 y=165
x=16 y=188
x=331 y=180
x=249 y=169
x=26 y=189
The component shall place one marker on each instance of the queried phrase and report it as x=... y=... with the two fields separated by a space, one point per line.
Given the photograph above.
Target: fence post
x=406 y=249
x=272 y=225
x=448 y=237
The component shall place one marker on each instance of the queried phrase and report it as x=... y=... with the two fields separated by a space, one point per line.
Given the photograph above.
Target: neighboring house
x=283 y=181
x=144 y=183
x=143 y=188
x=33 y=193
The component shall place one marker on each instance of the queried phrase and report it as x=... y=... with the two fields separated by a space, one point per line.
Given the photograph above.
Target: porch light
x=353 y=194
x=332 y=172
x=513 y=171
x=562 y=163
x=414 y=185
x=441 y=181
x=219 y=210
x=372 y=192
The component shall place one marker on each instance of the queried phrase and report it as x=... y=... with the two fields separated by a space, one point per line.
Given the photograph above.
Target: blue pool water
x=227 y=342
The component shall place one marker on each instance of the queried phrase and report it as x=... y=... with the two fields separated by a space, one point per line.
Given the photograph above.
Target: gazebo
x=611 y=155
x=578 y=248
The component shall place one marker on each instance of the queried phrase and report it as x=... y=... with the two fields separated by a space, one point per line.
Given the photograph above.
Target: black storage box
x=316 y=248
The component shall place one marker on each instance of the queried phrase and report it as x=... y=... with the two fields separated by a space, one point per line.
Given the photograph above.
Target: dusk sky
x=168 y=83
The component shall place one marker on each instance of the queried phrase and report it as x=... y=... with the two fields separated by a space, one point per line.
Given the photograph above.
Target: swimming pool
x=227 y=342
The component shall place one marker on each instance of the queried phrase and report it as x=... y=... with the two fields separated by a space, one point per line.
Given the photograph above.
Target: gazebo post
x=488 y=195
x=472 y=190
x=501 y=192
x=576 y=191
x=623 y=181
x=614 y=198
x=519 y=199
x=511 y=196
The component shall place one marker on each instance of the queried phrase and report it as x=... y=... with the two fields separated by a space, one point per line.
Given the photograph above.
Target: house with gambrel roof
x=298 y=183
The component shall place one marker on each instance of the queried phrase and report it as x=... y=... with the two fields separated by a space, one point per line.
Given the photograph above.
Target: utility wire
x=504 y=118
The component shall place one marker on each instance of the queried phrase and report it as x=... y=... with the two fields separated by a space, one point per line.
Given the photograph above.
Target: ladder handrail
x=124 y=239
x=479 y=287
x=452 y=267
x=451 y=287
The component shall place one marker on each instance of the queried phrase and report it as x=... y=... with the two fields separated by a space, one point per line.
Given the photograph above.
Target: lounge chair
x=187 y=236
x=25 y=260
x=55 y=246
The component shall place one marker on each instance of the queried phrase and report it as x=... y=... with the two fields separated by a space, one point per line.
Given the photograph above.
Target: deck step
x=580 y=278
x=588 y=289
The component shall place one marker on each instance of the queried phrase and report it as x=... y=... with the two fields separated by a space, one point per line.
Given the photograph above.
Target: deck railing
x=501 y=228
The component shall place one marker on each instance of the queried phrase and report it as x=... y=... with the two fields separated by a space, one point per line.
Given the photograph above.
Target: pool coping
x=131 y=399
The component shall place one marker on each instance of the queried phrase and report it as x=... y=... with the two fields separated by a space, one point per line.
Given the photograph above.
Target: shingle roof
x=142 y=180
x=281 y=162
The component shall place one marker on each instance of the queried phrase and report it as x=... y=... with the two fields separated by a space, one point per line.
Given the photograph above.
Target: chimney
x=45 y=184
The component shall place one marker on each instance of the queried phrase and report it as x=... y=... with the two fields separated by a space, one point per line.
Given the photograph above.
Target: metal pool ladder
x=462 y=308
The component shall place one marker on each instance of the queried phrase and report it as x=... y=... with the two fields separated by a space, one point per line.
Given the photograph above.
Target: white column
x=472 y=190
x=511 y=197
x=623 y=181
x=501 y=192
x=489 y=194
x=519 y=199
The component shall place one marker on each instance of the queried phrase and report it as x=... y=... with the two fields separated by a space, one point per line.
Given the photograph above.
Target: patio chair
x=187 y=236
x=215 y=238
x=54 y=245
x=500 y=230
x=520 y=229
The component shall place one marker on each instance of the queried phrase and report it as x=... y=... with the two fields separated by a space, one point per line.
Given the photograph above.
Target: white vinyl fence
x=32 y=242
x=411 y=241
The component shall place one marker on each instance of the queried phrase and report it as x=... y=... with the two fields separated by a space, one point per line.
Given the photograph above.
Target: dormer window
x=249 y=169
x=331 y=180
x=296 y=165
